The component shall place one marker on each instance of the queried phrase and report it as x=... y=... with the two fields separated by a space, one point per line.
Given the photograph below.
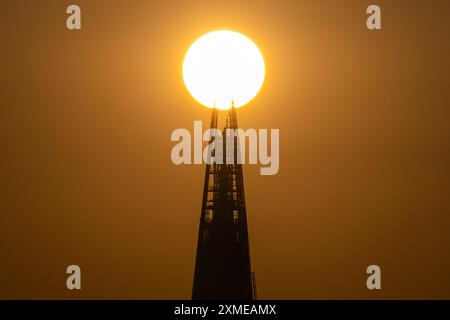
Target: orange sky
x=86 y=175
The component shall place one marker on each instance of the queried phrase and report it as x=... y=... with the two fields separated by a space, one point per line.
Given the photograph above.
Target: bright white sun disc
x=221 y=67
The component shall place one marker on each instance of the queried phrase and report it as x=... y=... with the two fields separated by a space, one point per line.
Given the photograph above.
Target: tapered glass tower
x=222 y=266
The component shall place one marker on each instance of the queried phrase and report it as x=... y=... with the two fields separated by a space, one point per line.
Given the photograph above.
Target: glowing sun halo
x=222 y=66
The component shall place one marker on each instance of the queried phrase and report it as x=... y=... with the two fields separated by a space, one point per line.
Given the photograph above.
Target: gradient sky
x=86 y=175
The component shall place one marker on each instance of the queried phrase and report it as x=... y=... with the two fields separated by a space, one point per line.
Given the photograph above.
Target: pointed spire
x=231 y=118
x=214 y=115
x=222 y=263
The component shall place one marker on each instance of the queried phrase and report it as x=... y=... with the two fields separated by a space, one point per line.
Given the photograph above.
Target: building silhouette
x=222 y=266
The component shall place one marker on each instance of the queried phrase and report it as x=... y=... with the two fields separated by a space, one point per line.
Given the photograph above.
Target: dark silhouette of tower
x=222 y=266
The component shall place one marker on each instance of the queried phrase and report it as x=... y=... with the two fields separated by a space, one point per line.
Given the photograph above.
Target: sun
x=223 y=66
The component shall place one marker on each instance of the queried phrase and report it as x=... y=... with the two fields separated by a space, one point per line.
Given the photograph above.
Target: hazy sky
x=86 y=175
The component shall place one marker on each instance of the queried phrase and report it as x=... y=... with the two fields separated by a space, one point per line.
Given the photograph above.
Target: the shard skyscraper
x=222 y=266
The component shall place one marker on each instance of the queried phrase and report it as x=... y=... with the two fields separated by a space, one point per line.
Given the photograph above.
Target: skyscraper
x=222 y=266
